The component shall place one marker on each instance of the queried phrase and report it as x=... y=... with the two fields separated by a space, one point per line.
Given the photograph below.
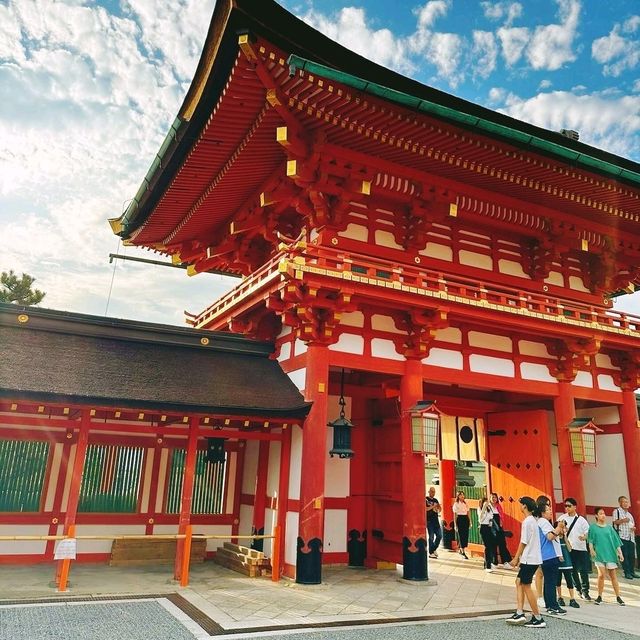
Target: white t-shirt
x=546 y=527
x=460 y=508
x=530 y=537
x=485 y=515
x=580 y=528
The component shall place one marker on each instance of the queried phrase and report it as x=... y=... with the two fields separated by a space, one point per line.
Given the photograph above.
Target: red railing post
x=275 y=554
x=186 y=557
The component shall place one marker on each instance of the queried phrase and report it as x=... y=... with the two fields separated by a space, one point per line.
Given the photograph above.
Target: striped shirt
x=624 y=530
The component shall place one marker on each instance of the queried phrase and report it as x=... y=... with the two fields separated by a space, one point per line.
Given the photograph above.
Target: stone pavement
x=233 y=603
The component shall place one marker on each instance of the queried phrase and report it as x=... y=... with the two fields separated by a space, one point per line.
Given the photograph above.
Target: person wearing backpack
x=577 y=531
x=625 y=526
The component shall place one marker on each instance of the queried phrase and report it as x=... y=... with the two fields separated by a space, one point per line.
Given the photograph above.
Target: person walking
x=606 y=550
x=565 y=570
x=528 y=558
x=499 y=533
x=577 y=530
x=485 y=519
x=625 y=526
x=462 y=522
x=551 y=554
x=434 y=530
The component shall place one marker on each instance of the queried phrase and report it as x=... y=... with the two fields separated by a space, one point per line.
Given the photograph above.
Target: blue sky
x=88 y=90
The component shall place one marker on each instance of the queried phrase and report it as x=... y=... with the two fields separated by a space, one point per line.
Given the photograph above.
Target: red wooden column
x=414 y=537
x=631 y=441
x=447 y=472
x=260 y=499
x=358 y=466
x=314 y=452
x=570 y=472
x=283 y=494
x=187 y=494
x=74 y=490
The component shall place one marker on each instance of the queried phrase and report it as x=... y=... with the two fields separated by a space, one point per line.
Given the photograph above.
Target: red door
x=519 y=462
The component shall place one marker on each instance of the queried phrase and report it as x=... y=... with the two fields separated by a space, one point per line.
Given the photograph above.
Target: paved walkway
x=233 y=602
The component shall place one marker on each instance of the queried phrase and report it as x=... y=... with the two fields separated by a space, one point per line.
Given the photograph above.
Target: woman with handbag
x=485 y=518
x=461 y=515
x=499 y=533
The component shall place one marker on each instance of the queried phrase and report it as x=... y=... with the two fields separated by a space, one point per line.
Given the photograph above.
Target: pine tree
x=18 y=290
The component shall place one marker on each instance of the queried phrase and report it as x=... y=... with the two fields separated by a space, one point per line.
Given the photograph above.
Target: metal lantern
x=341 y=429
x=215 y=450
x=582 y=437
x=425 y=426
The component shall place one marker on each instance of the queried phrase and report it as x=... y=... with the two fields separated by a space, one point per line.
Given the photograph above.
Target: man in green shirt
x=606 y=551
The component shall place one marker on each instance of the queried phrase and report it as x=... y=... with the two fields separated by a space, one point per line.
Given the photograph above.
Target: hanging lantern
x=425 y=426
x=582 y=437
x=215 y=450
x=341 y=429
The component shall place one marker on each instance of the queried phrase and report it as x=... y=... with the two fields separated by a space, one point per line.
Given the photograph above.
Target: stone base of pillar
x=357 y=548
x=414 y=561
x=309 y=563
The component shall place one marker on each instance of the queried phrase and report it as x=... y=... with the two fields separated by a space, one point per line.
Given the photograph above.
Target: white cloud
x=545 y=84
x=484 y=53
x=498 y=10
x=616 y=52
x=430 y=12
x=611 y=123
x=513 y=41
x=497 y=95
x=350 y=27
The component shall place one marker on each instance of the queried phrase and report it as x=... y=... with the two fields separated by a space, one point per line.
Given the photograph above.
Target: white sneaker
x=506 y=565
x=541 y=603
x=489 y=570
x=494 y=566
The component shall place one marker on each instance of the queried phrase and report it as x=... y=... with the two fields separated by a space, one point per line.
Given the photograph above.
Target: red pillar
x=414 y=538
x=314 y=452
x=447 y=472
x=570 y=472
x=283 y=492
x=187 y=493
x=631 y=442
x=260 y=500
x=74 y=487
x=357 y=514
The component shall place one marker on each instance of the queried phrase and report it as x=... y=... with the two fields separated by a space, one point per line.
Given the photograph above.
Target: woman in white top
x=461 y=515
x=529 y=557
x=485 y=518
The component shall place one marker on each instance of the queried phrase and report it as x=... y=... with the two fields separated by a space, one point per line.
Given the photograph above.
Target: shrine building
x=436 y=279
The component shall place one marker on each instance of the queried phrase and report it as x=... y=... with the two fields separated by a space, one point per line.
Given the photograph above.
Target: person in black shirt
x=434 y=531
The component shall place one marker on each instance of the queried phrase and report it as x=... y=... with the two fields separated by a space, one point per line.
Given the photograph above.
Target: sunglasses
x=566 y=506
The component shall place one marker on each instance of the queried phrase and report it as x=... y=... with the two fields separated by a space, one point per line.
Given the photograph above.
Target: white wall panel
x=335 y=531
x=583 y=379
x=575 y=283
x=30 y=547
x=246 y=521
x=533 y=371
x=355 y=232
x=384 y=323
x=450 y=334
x=607 y=383
x=336 y=477
x=494 y=366
x=299 y=347
x=273 y=475
x=104 y=546
x=512 y=268
x=438 y=251
x=538 y=349
x=352 y=319
x=607 y=480
x=215 y=530
x=601 y=415
x=381 y=348
x=490 y=341
x=555 y=278
x=299 y=378
x=250 y=467
x=386 y=239
x=477 y=260
x=296 y=463
x=348 y=343
x=444 y=358
x=291 y=541
x=56 y=461
x=285 y=352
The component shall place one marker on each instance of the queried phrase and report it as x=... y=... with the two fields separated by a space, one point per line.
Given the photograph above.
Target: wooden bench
x=141 y=552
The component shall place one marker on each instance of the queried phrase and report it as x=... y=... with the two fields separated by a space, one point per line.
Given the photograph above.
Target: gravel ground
x=89 y=621
x=557 y=629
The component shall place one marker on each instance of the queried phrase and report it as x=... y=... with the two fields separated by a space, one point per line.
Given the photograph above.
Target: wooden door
x=519 y=462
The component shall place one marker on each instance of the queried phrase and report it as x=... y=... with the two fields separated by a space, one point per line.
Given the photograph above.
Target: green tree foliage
x=19 y=290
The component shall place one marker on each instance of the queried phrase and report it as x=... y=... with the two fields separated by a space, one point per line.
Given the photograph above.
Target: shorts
x=606 y=565
x=526 y=572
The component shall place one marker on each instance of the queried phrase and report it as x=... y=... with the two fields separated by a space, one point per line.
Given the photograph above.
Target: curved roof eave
x=271 y=21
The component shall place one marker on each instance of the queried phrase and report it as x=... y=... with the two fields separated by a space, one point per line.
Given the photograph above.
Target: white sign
x=66 y=549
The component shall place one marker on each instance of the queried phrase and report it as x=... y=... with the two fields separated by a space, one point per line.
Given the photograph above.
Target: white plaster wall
x=601 y=415
x=384 y=323
x=250 y=467
x=477 y=260
x=295 y=472
x=533 y=371
x=299 y=347
x=215 y=530
x=606 y=480
x=352 y=319
x=335 y=531
x=290 y=548
x=348 y=343
x=607 y=383
x=490 y=341
x=67 y=482
x=246 y=521
x=583 y=379
x=285 y=352
x=50 y=489
x=30 y=547
x=336 y=477
x=269 y=520
x=104 y=546
x=438 y=251
x=232 y=463
x=604 y=361
x=299 y=378
x=575 y=283
x=386 y=239
x=146 y=481
x=444 y=358
x=494 y=366
x=555 y=278
x=273 y=475
x=381 y=348
x=162 y=477
x=450 y=334
x=355 y=232
x=512 y=268
x=538 y=349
